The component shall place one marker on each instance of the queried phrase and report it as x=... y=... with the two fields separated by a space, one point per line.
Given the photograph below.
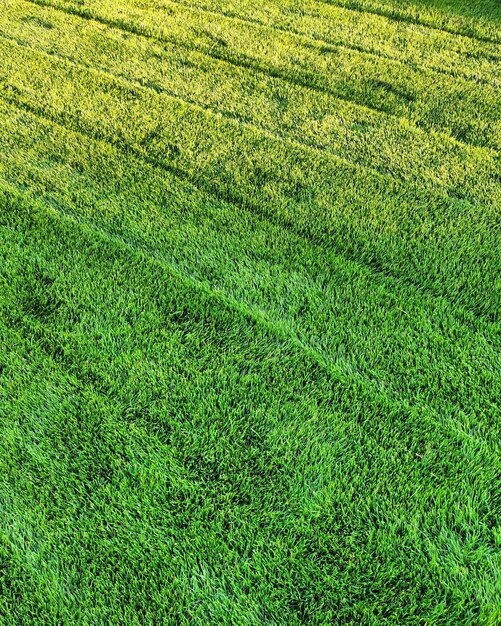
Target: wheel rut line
x=240 y=63
x=240 y=203
x=255 y=67
x=264 y=130
x=76 y=374
x=149 y=429
x=272 y=326
x=401 y=17
x=163 y=91
x=337 y=44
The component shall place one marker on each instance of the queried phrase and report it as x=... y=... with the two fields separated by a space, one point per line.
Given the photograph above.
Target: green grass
x=250 y=260
x=454 y=16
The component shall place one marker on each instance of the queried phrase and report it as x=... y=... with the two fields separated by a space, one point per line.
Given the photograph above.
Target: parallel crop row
x=250 y=346
x=403 y=230
x=422 y=47
x=356 y=133
x=359 y=324
x=467 y=110
x=141 y=389
x=331 y=200
x=422 y=14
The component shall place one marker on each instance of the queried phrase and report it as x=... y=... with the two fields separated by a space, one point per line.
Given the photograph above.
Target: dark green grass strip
x=357 y=322
x=468 y=111
x=178 y=462
x=372 y=139
x=446 y=247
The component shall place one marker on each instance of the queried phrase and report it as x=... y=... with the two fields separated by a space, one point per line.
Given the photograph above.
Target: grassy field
x=250 y=295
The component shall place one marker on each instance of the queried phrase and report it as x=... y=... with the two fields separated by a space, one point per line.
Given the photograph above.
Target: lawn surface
x=250 y=335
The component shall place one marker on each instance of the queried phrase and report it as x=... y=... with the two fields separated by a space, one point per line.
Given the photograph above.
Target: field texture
x=250 y=296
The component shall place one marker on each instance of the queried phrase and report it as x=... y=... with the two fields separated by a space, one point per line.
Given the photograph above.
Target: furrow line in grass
x=138 y=82
x=228 y=190
x=239 y=63
x=472 y=30
x=339 y=43
x=370 y=139
x=477 y=188
x=444 y=106
x=274 y=327
x=486 y=451
x=241 y=202
x=389 y=465
x=285 y=332
x=228 y=303
x=467 y=316
x=149 y=86
x=261 y=302
x=271 y=327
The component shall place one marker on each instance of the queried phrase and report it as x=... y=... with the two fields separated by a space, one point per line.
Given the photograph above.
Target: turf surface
x=250 y=285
